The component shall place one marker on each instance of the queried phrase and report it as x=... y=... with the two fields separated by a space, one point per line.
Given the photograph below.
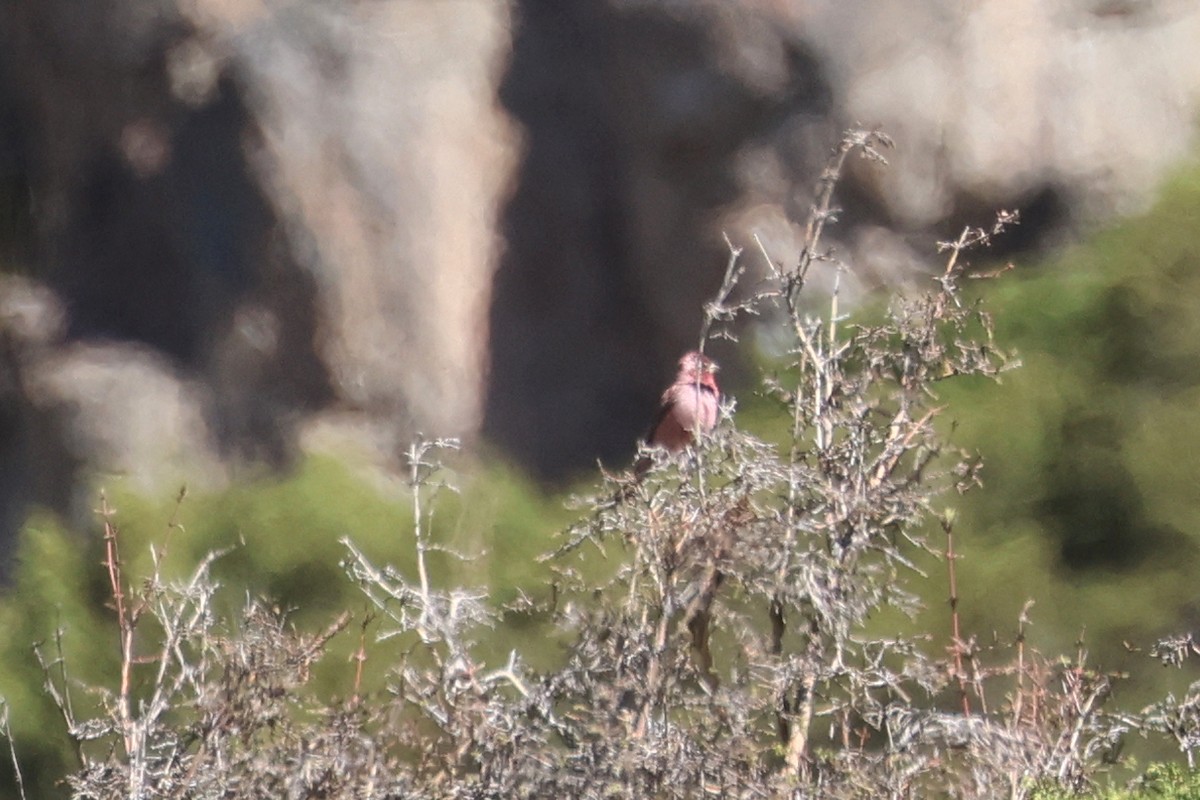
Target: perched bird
x=688 y=406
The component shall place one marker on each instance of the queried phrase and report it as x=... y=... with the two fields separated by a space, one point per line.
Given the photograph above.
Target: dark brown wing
x=666 y=404
x=664 y=408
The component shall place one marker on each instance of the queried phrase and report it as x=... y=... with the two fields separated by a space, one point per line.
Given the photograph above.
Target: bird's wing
x=665 y=406
x=668 y=404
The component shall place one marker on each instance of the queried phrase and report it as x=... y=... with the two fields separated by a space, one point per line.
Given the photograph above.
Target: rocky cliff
x=238 y=228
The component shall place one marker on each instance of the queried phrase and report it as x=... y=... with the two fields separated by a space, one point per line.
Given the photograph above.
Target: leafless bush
x=731 y=650
x=206 y=707
x=715 y=615
x=1178 y=719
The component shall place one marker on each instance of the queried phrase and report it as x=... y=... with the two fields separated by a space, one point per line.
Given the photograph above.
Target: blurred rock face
x=384 y=217
x=1000 y=100
x=251 y=214
x=384 y=154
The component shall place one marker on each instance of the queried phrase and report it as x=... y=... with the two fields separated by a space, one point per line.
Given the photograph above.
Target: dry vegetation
x=714 y=617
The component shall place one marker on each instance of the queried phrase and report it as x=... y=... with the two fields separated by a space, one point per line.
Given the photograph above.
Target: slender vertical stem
x=956 y=635
x=112 y=561
x=416 y=452
x=6 y=730
x=797 y=752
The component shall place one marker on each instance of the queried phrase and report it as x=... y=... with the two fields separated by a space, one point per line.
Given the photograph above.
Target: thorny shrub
x=714 y=615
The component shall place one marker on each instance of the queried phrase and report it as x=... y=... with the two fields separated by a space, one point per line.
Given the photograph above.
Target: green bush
x=1089 y=501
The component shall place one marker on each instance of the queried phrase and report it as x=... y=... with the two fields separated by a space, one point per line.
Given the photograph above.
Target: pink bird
x=689 y=406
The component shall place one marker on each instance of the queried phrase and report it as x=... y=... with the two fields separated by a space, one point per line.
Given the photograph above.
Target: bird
x=688 y=407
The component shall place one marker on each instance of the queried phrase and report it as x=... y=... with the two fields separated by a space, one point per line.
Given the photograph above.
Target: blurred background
x=255 y=245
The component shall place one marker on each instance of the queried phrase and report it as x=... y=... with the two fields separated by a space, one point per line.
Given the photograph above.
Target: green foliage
x=1091 y=472
x=1160 y=782
x=1165 y=781
x=57 y=585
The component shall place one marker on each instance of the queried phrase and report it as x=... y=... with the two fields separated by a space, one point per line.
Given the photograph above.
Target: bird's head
x=695 y=367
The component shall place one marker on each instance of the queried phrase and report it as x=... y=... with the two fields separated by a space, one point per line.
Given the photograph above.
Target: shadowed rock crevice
x=633 y=116
x=160 y=258
x=169 y=242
